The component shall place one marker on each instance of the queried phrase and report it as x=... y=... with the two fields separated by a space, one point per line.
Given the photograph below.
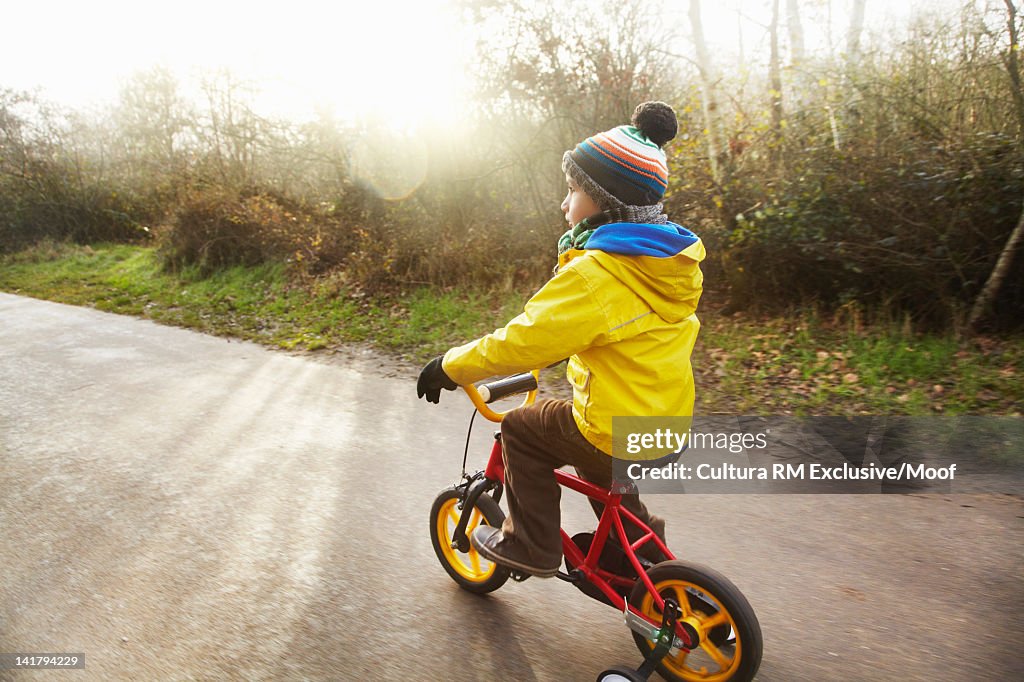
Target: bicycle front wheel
x=468 y=569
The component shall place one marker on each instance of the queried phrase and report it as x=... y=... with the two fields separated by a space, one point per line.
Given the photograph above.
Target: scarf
x=577 y=237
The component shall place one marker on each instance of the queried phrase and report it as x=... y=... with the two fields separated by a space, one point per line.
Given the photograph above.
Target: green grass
x=798 y=365
x=804 y=366
x=254 y=303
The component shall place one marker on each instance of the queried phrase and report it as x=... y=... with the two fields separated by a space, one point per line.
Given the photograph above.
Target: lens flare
x=393 y=164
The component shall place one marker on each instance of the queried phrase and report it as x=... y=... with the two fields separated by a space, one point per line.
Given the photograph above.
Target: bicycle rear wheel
x=710 y=604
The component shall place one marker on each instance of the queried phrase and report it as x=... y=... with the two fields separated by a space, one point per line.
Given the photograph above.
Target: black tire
x=468 y=569
x=617 y=673
x=680 y=580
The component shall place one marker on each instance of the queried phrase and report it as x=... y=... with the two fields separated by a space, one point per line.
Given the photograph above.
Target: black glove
x=432 y=380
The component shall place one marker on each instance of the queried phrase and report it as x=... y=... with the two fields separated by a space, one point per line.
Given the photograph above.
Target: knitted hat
x=626 y=165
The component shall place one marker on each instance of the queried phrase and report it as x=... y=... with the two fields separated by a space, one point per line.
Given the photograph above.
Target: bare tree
x=232 y=129
x=152 y=115
x=151 y=127
x=547 y=83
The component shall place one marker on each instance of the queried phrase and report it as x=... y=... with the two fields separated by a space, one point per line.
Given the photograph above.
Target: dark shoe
x=492 y=545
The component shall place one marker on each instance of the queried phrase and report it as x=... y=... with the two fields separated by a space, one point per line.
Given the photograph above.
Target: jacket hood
x=660 y=263
x=642 y=239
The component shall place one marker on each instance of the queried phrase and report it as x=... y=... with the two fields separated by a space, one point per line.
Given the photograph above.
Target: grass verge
x=806 y=366
x=744 y=366
x=254 y=303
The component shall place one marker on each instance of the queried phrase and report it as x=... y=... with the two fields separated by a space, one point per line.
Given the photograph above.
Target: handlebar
x=496 y=390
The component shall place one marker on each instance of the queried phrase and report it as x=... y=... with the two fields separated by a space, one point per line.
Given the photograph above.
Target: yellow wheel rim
x=707 y=663
x=470 y=565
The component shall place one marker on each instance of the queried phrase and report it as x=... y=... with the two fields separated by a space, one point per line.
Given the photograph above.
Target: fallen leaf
x=851 y=378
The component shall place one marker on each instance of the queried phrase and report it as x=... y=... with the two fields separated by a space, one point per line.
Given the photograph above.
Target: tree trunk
x=1013 y=66
x=796 y=31
x=775 y=80
x=718 y=152
x=990 y=293
x=856 y=28
x=802 y=82
x=709 y=87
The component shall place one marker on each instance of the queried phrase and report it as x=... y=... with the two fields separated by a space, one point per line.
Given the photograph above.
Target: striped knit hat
x=625 y=167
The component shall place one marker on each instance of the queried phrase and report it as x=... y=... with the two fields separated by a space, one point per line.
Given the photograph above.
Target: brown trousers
x=536 y=440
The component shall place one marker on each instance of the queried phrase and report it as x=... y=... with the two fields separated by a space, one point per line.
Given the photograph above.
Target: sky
x=407 y=60
x=346 y=56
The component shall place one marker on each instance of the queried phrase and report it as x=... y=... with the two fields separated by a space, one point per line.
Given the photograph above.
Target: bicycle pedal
x=519 y=576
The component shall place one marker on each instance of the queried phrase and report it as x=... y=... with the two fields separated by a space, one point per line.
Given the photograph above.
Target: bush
x=48 y=201
x=915 y=230
x=216 y=227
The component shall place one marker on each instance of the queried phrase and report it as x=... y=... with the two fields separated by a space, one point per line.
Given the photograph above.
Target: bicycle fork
x=469 y=493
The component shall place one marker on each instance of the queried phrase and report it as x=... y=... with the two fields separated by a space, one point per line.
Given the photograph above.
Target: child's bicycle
x=689 y=622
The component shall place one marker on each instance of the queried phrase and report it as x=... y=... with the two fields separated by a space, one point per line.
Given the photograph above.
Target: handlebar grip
x=502 y=388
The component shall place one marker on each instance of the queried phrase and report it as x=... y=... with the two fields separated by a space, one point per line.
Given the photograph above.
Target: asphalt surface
x=178 y=506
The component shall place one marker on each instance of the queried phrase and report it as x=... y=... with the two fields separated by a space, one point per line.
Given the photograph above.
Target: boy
x=621 y=308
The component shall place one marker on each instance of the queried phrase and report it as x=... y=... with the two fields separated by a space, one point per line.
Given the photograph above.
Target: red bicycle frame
x=611 y=518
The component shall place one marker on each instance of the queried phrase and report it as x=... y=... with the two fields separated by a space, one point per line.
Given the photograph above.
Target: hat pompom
x=657 y=121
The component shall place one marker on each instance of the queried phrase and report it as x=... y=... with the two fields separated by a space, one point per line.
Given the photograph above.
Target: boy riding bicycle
x=621 y=307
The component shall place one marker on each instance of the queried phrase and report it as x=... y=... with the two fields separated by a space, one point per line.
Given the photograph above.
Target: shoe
x=491 y=544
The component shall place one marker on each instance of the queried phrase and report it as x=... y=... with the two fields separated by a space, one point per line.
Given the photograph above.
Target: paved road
x=178 y=506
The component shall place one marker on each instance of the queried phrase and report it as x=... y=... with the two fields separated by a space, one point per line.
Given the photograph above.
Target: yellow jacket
x=623 y=312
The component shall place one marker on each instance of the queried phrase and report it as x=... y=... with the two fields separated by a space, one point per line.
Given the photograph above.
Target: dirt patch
x=365 y=358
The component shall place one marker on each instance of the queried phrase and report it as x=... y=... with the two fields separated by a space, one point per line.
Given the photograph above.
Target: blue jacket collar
x=642 y=239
